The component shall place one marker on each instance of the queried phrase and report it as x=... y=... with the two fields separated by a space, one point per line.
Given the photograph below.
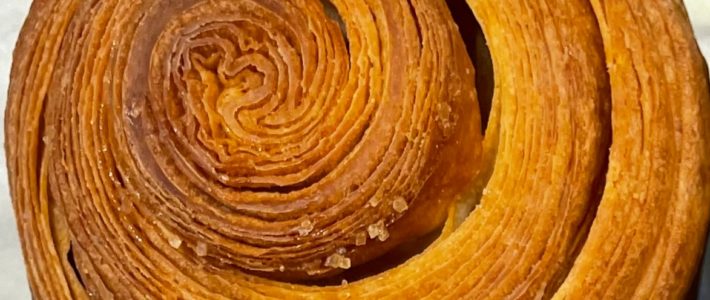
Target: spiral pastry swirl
x=253 y=149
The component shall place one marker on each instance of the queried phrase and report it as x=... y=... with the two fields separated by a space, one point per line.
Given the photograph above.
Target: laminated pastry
x=256 y=149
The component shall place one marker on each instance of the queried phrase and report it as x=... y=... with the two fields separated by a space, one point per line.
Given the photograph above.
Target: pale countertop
x=13 y=283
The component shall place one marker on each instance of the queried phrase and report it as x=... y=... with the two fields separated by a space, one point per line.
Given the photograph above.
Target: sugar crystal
x=361 y=239
x=338 y=261
x=378 y=230
x=400 y=204
x=305 y=227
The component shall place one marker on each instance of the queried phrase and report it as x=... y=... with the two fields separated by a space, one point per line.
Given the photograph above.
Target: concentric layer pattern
x=217 y=149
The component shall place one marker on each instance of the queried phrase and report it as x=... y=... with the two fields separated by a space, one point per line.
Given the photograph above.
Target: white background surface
x=13 y=283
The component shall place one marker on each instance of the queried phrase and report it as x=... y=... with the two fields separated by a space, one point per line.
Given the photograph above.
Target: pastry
x=254 y=149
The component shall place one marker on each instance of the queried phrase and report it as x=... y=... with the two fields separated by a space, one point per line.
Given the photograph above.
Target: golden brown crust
x=217 y=149
x=651 y=224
